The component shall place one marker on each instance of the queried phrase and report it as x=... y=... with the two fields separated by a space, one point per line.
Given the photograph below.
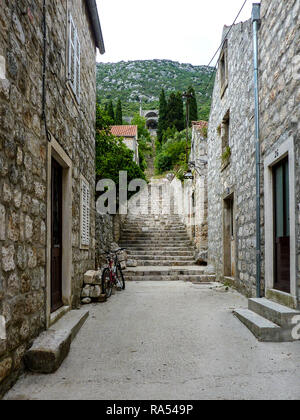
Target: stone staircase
x=159 y=243
x=269 y=321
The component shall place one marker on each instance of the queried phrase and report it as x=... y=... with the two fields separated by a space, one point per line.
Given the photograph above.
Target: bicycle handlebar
x=113 y=252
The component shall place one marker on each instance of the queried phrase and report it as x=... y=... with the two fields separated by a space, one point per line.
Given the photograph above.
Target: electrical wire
x=209 y=84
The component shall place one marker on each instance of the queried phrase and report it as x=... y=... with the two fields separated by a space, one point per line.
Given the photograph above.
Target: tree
x=112 y=155
x=111 y=112
x=175 y=116
x=144 y=139
x=119 y=113
x=141 y=124
x=179 y=122
x=193 y=106
x=163 y=114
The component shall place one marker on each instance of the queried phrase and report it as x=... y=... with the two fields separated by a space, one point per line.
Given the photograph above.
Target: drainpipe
x=44 y=116
x=256 y=25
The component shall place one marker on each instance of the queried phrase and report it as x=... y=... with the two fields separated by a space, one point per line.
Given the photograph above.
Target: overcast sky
x=188 y=31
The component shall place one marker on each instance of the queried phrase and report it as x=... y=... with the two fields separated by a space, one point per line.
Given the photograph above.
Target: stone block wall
x=238 y=177
x=279 y=91
x=279 y=60
x=23 y=162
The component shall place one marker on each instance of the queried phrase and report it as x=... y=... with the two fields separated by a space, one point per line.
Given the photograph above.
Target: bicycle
x=113 y=274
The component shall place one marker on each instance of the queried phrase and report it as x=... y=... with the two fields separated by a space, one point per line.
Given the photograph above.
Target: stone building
x=47 y=173
x=129 y=134
x=232 y=159
x=193 y=205
x=151 y=117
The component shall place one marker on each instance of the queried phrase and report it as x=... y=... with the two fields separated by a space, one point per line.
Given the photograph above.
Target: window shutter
x=77 y=65
x=72 y=39
x=85 y=214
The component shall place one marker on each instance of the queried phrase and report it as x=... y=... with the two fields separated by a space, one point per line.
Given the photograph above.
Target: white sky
x=188 y=31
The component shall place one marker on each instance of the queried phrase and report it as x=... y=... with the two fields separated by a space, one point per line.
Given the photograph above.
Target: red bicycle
x=112 y=275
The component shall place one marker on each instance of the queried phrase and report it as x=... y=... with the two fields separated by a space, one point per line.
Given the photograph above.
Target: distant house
x=129 y=133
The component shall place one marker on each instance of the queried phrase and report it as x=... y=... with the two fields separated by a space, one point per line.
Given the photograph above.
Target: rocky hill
x=133 y=80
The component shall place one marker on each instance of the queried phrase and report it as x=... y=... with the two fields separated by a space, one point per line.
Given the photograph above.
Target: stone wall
x=280 y=90
x=233 y=174
x=237 y=175
x=24 y=161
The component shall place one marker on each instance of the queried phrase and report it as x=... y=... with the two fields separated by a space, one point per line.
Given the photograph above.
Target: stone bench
x=52 y=346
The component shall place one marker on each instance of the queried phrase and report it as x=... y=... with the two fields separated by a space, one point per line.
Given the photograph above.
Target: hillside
x=133 y=80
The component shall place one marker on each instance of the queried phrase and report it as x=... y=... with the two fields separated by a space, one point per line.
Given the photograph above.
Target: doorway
x=281 y=205
x=229 y=237
x=56 y=236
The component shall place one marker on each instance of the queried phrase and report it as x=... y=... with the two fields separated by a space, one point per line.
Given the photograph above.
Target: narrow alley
x=168 y=340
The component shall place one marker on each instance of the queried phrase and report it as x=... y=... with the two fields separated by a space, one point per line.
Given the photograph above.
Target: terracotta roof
x=124 y=130
x=200 y=124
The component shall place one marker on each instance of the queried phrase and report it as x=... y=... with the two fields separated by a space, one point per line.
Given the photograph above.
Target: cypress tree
x=163 y=114
x=193 y=108
x=119 y=113
x=175 y=116
x=171 y=111
x=179 y=122
x=111 y=112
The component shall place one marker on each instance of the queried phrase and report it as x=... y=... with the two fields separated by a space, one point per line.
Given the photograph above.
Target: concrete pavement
x=169 y=340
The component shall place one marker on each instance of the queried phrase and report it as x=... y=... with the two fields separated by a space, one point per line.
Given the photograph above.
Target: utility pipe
x=256 y=25
x=44 y=111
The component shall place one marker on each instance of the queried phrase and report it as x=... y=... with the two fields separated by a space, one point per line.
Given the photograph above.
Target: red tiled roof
x=124 y=130
x=200 y=124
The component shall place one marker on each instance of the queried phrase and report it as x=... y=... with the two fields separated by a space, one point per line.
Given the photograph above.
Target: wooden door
x=56 y=237
x=282 y=226
x=229 y=238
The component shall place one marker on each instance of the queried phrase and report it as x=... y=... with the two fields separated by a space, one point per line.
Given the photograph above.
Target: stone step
x=152 y=241
x=51 y=348
x=157 y=234
x=158 y=248
x=274 y=312
x=137 y=254
x=166 y=263
x=179 y=277
x=262 y=328
x=152 y=230
x=166 y=271
x=159 y=258
x=162 y=237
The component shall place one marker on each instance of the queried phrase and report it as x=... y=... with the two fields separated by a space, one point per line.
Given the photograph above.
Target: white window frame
x=279 y=153
x=85 y=211
x=74 y=59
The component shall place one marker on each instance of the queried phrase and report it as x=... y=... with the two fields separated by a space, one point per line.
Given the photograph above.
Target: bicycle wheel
x=106 y=283
x=120 y=276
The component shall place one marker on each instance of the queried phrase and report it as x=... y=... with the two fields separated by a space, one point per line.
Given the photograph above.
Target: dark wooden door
x=282 y=226
x=56 y=237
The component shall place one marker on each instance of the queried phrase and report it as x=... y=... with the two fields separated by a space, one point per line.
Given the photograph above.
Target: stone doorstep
x=263 y=329
x=274 y=312
x=52 y=346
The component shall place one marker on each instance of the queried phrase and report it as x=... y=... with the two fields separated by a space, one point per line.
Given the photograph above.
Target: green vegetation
x=144 y=140
x=193 y=106
x=171 y=154
x=112 y=155
x=135 y=80
x=119 y=114
x=226 y=154
x=163 y=113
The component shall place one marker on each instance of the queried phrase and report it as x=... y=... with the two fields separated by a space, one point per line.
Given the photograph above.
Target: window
x=225 y=132
x=85 y=213
x=74 y=59
x=223 y=65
